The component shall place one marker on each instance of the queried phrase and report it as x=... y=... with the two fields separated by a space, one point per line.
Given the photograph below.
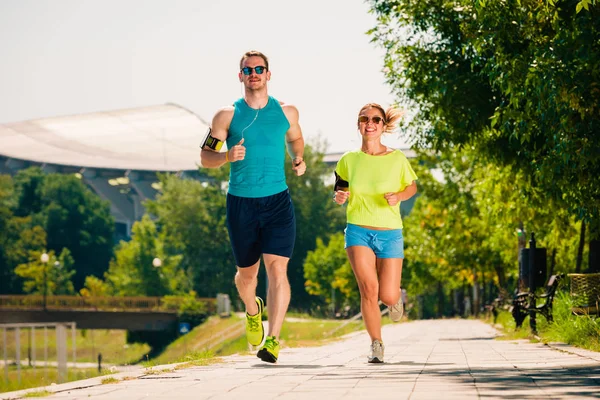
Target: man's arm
x=294 y=139
x=210 y=158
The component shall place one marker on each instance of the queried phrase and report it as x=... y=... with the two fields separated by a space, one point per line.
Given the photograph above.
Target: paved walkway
x=434 y=359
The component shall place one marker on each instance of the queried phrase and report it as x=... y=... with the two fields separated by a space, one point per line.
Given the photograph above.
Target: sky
x=67 y=57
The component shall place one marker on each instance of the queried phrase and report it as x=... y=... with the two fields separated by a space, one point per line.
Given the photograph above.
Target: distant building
x=116 y=153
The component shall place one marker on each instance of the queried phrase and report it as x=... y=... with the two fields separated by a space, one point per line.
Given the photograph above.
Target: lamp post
x=45 y=258
x=59 y=278
x=157 y=263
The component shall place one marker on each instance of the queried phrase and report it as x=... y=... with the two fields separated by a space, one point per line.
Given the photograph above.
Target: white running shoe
x=376 y=354
x=397 y=310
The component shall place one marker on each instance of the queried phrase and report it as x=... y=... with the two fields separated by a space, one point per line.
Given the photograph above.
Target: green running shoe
x=270 y=350
x=255 y=333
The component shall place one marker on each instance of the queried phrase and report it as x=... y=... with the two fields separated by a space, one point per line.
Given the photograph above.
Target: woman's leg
x=390 y=277
x=363 y=262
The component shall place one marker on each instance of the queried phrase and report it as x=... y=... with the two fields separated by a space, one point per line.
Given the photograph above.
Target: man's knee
x=246 y=276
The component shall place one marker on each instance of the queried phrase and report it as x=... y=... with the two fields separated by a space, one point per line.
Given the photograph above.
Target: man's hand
x=298 y=166
x=237 y=152
x=340 y=196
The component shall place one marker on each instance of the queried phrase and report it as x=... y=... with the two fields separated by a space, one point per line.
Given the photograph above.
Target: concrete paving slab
x=449 y=359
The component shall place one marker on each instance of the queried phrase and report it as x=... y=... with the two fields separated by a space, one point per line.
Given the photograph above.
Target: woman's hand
x=340 y=196
x=393 y=198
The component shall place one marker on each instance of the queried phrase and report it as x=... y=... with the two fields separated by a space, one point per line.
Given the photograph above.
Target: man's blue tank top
x=261 y=173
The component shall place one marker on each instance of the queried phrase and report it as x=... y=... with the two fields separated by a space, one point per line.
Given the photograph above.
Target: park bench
x=502 y=302
x=585 y=293
x=522 y=300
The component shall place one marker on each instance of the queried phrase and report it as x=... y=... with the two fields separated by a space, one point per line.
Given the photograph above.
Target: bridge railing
x=75 y=303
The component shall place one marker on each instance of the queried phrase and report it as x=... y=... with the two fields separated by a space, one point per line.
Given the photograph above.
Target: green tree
x=133 y=272
x=72 y=216
x=79 y=220
x=8 y=282
x=53 y=277
x=95 y=287
x=191 y=216
x=317 y=216
x=28 y=183
x=25 y=238
x=517 y=81
x=329 y=275
x=462 y=232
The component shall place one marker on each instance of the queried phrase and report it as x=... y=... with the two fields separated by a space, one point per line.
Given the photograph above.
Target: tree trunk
x=440 y=293
x=552 y=263
x=501 y=276
x=580 y=249
x=594 y=247
x=476 y=300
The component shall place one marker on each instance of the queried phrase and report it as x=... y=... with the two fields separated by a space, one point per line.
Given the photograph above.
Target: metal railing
x=80 y=303
x=60 y=329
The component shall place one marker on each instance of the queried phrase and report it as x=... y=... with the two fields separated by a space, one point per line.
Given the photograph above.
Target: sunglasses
x=248 y=70
x=364 y=119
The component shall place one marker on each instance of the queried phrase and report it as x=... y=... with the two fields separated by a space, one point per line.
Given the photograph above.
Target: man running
x=260 y=215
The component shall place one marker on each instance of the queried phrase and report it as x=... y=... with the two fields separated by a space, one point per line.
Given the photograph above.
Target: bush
x=189 y=308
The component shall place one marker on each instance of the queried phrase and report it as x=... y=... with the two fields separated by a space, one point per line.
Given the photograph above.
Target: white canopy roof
x=158 y=138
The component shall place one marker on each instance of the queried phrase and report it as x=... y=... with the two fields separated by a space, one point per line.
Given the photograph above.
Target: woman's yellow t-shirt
x=369 y=178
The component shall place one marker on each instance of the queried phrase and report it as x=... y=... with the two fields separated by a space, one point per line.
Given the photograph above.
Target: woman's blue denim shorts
x=385 y=244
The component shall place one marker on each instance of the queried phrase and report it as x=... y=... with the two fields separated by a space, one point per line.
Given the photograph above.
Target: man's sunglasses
x=248 y=70
x=364 y=119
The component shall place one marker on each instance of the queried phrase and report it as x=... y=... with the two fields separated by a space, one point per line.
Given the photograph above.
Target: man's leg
x=279 y=293
x=246 y=280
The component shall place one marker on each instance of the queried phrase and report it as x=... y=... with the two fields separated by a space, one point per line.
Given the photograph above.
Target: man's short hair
x=254 y=53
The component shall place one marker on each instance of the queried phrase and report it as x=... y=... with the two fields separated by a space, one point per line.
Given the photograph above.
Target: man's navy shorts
x=262 y=225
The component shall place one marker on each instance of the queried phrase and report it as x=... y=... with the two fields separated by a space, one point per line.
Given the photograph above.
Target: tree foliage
x=191 y=217
x=516 y=80
x=72 y=216
x=329 y=275
x=133 y=273
x=462 y=231
x=316 y=216
x=52 y=278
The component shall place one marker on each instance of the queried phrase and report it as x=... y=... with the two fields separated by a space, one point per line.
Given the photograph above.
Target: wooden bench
x=585 y=293
x=522 y=300
x=502 y=302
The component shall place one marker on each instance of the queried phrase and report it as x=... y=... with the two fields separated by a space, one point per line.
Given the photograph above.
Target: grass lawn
x=226 y=336
x=36 y=377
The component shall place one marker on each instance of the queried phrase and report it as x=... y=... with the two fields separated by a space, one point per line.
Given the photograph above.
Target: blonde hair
x=391 y=116
x=254 y=53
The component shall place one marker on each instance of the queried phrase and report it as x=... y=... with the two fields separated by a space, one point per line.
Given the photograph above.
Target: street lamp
x=157 y=262
x=45 y=258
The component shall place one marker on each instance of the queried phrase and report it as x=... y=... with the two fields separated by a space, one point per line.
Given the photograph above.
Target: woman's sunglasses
x=364 y=119
x=248 y=70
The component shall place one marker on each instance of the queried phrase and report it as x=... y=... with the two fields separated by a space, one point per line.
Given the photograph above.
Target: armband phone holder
x=212 y=142
x=340 y=184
